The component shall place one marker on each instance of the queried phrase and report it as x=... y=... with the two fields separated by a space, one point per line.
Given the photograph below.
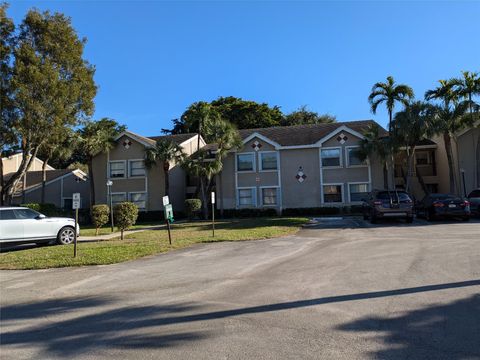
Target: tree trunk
x=477 y=162
x=451 y=169
x=204 y=199
x=411 y=156
x=121 y=234
x=92 y=184
x=44 y=180
x=385 y=175
x=220 y=193
x=166 y=168
x=12 y=183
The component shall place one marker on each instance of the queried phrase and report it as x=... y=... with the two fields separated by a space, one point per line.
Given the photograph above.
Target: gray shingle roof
x=178 y=139
x=305 y=134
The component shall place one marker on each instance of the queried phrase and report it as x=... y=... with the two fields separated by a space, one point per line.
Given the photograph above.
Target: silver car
x=24 y=225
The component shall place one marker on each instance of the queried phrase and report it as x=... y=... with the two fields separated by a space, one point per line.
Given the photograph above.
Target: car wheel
x=409 y=219
x=466 y=218
x=365 y=215
x=428 y=215
x=373 y=218
x=66 y=235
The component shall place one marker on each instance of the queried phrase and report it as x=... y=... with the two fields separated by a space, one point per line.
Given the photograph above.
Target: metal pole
x=213 y=219
x=169 y=235
x=111 y=207
x=75 y=235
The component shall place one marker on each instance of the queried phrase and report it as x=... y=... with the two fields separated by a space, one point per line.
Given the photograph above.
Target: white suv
x=24 y=225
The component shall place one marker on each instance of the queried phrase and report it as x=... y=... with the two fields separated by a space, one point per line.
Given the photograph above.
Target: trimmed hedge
x=324 y=211
x=46 y=209
x=249 y=213
x=192 y=207
x=126 y=214
x=100 y=216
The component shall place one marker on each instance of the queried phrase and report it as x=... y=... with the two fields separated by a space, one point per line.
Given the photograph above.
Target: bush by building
x=125 y=214
x=100 y=216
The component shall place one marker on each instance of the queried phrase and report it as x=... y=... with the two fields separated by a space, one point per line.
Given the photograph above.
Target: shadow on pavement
x=141 y=326
x=450 y=331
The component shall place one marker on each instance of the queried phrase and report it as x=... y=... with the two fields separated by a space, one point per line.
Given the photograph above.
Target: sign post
x=168 y=212
x=75 y=206
x=213 y=213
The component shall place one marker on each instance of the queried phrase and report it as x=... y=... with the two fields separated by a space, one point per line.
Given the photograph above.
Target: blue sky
x=155 y=58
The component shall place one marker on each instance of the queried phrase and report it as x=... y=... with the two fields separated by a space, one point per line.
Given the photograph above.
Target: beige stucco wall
x=153 y=183
x=469 y=158
x=54 y=192
x=307 y=193
x=12 y=163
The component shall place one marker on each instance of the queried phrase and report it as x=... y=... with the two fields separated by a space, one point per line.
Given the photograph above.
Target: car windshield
x=392 y=195
x=444 y=197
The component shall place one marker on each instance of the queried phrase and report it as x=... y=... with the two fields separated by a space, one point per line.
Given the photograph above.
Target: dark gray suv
x=382 y=204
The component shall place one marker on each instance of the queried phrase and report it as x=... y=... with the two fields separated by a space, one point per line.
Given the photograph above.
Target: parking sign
x=76 y=201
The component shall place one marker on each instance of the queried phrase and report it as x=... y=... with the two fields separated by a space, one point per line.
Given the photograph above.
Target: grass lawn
x=148 y=242
x=89 y=230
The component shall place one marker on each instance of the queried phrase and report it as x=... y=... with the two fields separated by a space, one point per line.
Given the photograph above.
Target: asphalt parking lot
x=339 y=289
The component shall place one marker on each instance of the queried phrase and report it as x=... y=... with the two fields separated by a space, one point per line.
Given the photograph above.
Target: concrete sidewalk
x=117 y=234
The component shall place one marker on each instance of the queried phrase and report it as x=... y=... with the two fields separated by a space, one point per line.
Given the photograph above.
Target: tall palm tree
x=468 y=87
x=203 y=167
x=389 y=93
x=165 y=152
x=413 y=124
x=225 y=135
x=376 y=144
x=449 y=121
x=94 y=138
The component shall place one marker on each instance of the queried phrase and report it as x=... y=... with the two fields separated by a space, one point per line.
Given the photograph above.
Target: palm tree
x=203 y=167
x=165 y=152
x=376 y=144
x=449 y=121
x=413 y=124
x=94 y=138
x=389 y=93
x=225 y=135
x=468 y=87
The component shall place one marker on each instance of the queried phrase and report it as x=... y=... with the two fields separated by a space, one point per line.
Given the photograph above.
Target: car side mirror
x=40 y=216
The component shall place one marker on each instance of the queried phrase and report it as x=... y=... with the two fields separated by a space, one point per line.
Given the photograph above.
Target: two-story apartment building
x=124 y=166
x=431 y=165
x=301 y=166
x=281 y=167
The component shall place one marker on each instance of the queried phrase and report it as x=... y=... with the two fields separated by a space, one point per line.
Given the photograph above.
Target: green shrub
x=249 y=213
x=100 y=215
x=126 y=214
x=192 y=207
x=46 y=209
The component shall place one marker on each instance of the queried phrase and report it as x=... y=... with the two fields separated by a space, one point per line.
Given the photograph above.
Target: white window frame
x=278 y=195
x=260 y=153
x=369 y=189
x=117 y=193
x=130 y=172
x=125 y=172
x=254 y=196
x=254 y=165
x=138 y=192
x=339 y=148
x=333 y=184
x=347 y=157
